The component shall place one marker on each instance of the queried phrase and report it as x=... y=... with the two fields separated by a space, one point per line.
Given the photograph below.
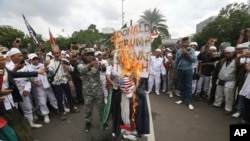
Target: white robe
x=245 y=91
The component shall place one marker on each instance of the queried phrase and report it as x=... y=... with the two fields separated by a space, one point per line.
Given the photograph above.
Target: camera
x=65 y=62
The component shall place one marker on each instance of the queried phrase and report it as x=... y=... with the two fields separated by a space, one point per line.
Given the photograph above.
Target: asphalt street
x=171 y=122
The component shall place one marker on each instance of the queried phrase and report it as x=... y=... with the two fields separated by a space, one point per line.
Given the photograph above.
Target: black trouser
x=59 y=91
x=78 y=86
x=212 y=94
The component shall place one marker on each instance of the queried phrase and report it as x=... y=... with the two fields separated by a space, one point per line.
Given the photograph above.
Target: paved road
x=171 y=122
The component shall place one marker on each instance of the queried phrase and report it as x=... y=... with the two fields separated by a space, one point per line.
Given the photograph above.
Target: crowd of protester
x=216 y=75
x=36 y=84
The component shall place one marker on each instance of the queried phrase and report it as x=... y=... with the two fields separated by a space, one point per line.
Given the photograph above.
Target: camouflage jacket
x=91 y=83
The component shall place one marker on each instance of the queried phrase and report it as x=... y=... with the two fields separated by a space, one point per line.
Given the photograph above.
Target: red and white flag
x=52 y=40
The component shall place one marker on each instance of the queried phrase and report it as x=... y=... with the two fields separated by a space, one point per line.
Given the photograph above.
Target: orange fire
x=131 y=66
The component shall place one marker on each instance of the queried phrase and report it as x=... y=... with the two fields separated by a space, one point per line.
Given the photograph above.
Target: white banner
x=140 y=39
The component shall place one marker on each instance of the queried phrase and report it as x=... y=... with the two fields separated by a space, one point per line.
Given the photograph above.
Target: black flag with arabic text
x=31 y=31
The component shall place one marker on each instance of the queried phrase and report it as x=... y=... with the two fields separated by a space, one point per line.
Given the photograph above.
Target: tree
x=8 y=34
x=156 y=42
x=156 y=21
x=227 y=25
x=90 y=36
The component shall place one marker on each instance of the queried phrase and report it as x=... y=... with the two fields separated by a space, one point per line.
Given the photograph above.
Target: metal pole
x=122 y=14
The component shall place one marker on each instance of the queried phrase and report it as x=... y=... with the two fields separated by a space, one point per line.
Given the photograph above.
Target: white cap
x=193 y=43
x=14 y=51
x=63 y=52
x=32 y=55
x=212 y=48
x=169 y=55
x=158 y=50
x=230 y=49
x=242 y=46
x=49 y=54
x=97 y=53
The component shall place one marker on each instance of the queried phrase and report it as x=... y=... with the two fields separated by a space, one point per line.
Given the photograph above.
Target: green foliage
x=156 y=20
x=156 y=42
x=8 y=34
x=90 y=36
x=226 y=26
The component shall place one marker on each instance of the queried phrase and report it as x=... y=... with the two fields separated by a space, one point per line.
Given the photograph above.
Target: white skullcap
x=169 y=55
x=230 y=49
x=32 y=55
x=193 y=43
x=49 y=54
x=97 y=53
x=244 y=45
x=158 y=50
x=63 y=52
x=14 y=51
x=212 y=48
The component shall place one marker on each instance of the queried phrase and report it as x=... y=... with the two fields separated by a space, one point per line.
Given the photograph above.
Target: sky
x=63 y=17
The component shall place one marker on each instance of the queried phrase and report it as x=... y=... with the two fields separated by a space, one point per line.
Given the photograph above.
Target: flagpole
x=122 y=13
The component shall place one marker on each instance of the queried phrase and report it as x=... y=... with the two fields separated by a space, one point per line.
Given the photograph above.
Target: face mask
x=127 y=86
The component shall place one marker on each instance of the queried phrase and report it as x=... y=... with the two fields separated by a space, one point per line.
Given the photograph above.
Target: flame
x=131 y=66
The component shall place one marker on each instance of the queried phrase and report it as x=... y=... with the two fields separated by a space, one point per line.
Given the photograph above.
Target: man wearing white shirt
x=156 y=68
x=7 y=108
x=41 y=88
x=60 y=82
x=104 y=64
x=23 y=84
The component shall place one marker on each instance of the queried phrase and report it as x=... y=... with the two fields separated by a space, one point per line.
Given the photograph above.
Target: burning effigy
x=130 y=110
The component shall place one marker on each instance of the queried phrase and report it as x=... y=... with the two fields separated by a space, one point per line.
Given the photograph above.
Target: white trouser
x=203 y=80
x=104 y=83
x=26 y=106
x=194 y=84
x=221 y=91
x=51 y=97
x=42 y=95
x=154 y=79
